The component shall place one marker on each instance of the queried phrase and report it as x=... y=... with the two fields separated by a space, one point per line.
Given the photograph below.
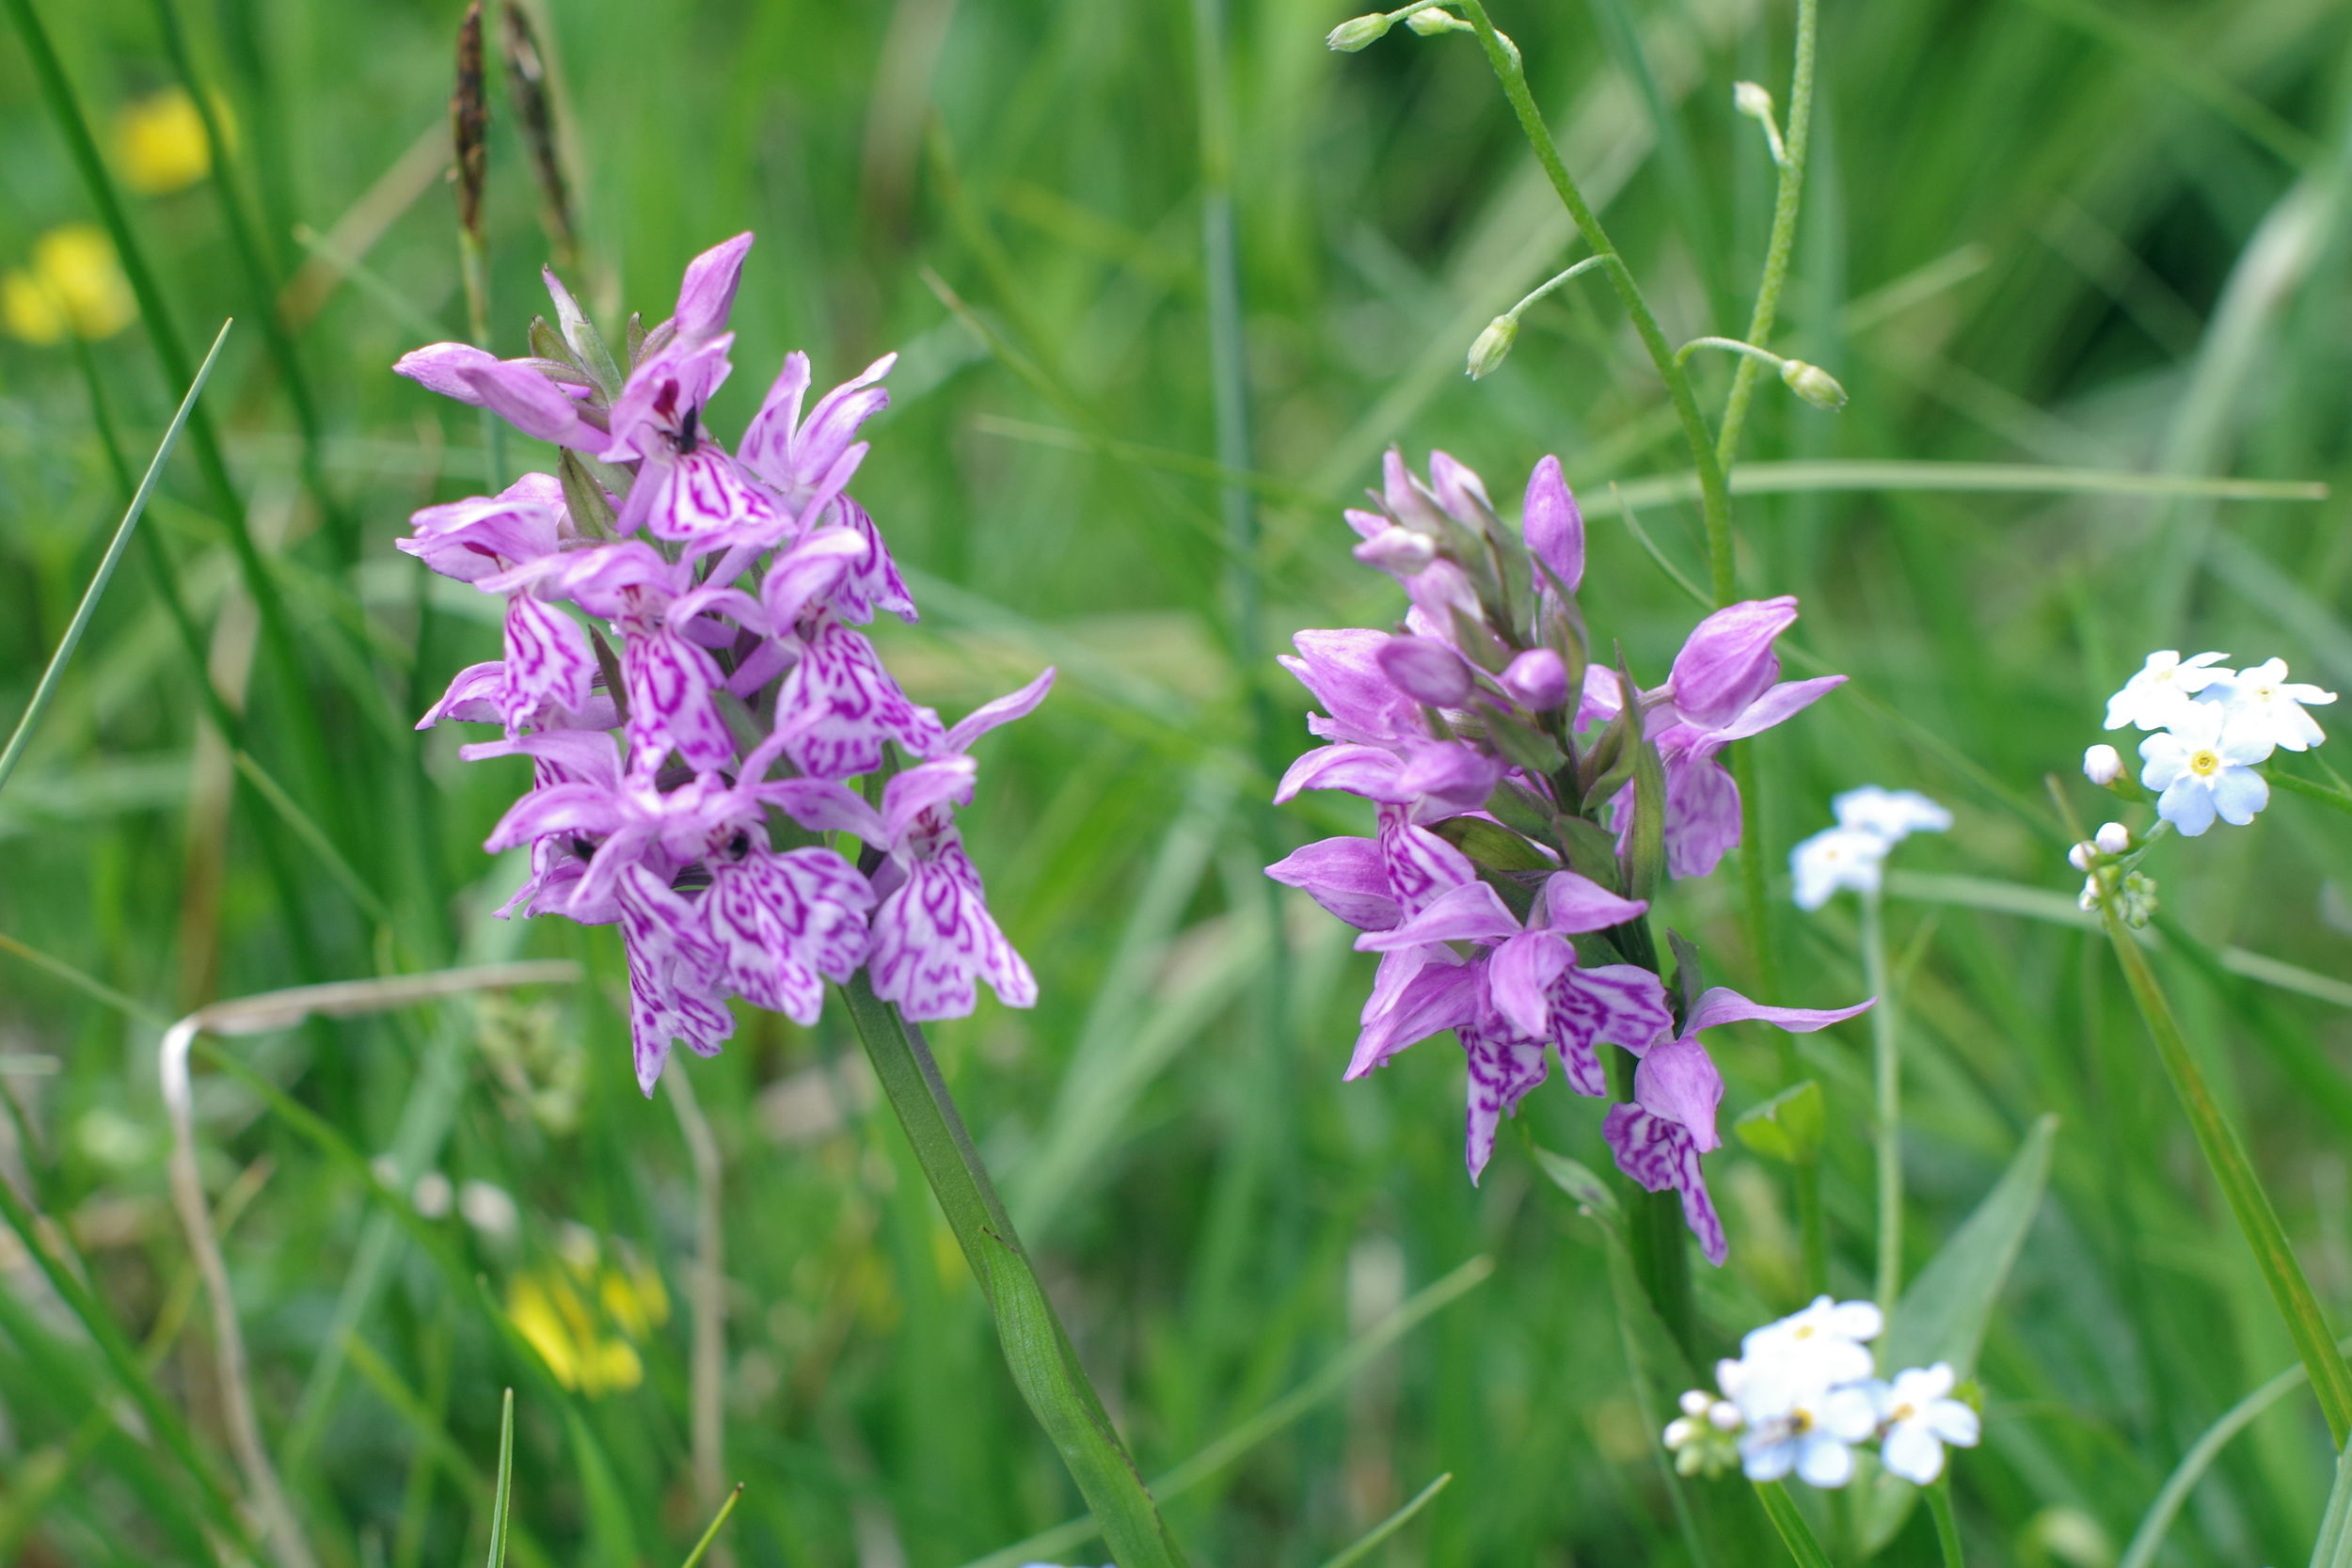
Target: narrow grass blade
x=1333 y=1376
x=1044 y=1366
x=502 y=1499
x=47 y=689
x=1794 y=1532
x=1390 y=1525
x=2333 y=1549
x=1828 y=474
x=436 y=1442
x=1946 y=1525
x=711 y=1534
x=2149 y=1537
x=130 y=1006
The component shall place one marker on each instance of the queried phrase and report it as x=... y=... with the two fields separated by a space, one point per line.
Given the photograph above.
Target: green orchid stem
x=1946 y=1526
x=1037 y=1348
x=1714 y=489
x=1784 y=236
x=1794 y=1532
x=1887 y=1074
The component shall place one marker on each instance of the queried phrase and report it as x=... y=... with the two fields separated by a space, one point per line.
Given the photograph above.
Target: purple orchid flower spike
x=1658 y=1139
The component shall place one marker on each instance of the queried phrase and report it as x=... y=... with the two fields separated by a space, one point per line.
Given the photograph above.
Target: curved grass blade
x=47 y=689
x=502 y=1500
x=1794 y=1532
x=725 y=1509
x=1390 y=1525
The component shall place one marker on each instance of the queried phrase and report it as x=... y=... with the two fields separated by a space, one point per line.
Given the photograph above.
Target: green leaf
x=1788 y=1127
x=2333 y=1549
x=502 y=1499
x=1591 y=851
x=1794 y=1532
x=1578 y=1180
x=1645 y=849
x=1944 y=1314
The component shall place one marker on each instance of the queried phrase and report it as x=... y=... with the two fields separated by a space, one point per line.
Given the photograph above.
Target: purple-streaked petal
x=1002 y=710
x=1438 y=996
x=671 y=685
x=1702 y=815
x=1421 y=864
x=1519 y=978
x=844 y=706
x=768 y=440
x=706 y=292
x=834 y=422
x=699 y=494
x=1722 y=1004
x=807 y=575
x=672 y=978
x=1575 y=903
x=548 y=662
x=1452 y=772
x=933 y=937
x=1472 y=912
x=782 y=925
x=1677 y=1080
x=1619 y=1004
x=1348 y=877
x=1728 y=662
x=1503 y=1066
x=1342 y=668
x=872 y=583
x=908 y=794
x=1660 y=1156
x=1553 y=526
x=823 y=806
x=578 y=810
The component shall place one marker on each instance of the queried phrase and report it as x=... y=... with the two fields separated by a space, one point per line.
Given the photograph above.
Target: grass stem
x=1886 y=1072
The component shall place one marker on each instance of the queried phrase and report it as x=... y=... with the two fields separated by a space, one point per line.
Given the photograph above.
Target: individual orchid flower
x=809 y=462
x=1659 y=1136
x=934 y=935
x=2202 y=766
x=2151 y=699
x=1918 y=1417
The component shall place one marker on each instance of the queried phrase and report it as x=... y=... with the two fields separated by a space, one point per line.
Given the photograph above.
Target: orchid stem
x=1037 y=1348
x=1886 y=1065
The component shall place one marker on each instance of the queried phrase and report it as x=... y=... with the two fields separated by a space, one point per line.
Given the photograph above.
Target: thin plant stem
x=47 y=689
x=1887 y=1075
x=1946 y=1526
x=1782 y=240
x=1730 y=345
x=2233 y=1172
x=1558 y=279
x=1390 y=1525
x=708 y=1295
x=1794 y=1532
x=1812 y=1227
x=1714 y=492
x=1037 y=1348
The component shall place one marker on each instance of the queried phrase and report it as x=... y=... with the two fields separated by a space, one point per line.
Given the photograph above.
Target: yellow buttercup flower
x=160 y=144
x=581 y=1315
x=73 y=285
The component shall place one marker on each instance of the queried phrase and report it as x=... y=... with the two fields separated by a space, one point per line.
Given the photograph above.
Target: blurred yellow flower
x=160 y=144
x=74 y=285
x=581 y=1316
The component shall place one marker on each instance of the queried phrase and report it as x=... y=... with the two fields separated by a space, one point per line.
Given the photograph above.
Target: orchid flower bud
x=1494 y=344
x=1538 y=680
x=1813 y=384
x=1398 y=552
x=2103 y=765
x=1357 y=32
x=1728 y=662
x=1553 y=528
x=1426 y=670
x=2112 y=838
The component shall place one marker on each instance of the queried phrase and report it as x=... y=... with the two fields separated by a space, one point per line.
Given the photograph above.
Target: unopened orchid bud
x=1435 y=19
x=1727 y=661
x=1813 y=384
x=1426 y=670
x=1398 y=552
x=1494 y=344
x=2113 y=838
x=1357 y=32
x=1751 y=99
x=2082 y=855
x=2103 y=765
x=1538 y=680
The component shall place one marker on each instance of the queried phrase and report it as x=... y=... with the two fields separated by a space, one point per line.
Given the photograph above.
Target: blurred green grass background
x=2100 y=235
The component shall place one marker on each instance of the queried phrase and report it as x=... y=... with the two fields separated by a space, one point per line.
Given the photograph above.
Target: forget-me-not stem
x=1714 y=490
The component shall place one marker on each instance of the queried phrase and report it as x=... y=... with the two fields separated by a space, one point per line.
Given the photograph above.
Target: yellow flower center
x=2204 y=762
